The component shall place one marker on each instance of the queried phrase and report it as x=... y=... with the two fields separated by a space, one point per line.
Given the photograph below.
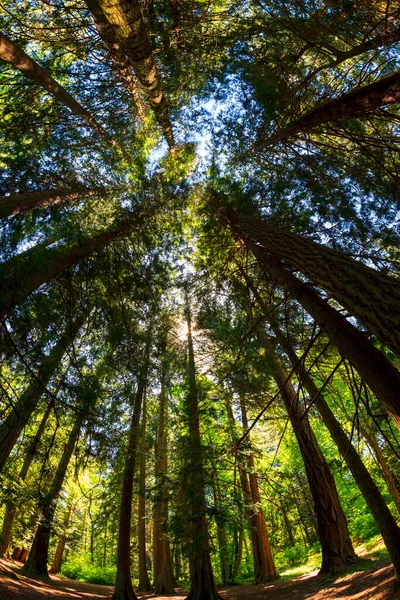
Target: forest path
x=374 y=582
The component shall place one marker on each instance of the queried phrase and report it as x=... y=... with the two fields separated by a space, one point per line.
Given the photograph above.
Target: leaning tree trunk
x=26 y=272
x=21 y=412
x=123 y=68
x=368 y=488
x=59 y=553
x=202 y=577
x=11 y=507
x=360 y=102
x=18 y=59
x=144 y=581
x=164 y=580
x=36 y=564
x=372 y=365
x=130 y=30
x=372 y=441
x=264 y=565
x=369 y=295
x=24 y=202
x=337 y=550
x=123 y=584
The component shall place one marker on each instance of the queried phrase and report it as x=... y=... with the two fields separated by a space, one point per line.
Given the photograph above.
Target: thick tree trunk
x=144 y=581
x=202 y=578
x=24 y=202
x=124 y=70
x=123 y=585
x=62 y=540
x=337 y=550
x=372 y=365
x=21 y=412
x=17 y=58
x=11 y=507
x=26 y=272
x=358 y=103
x=130 y=30
x=36 y=564
x=164 y=580
x=369 y=295
x=264 y=566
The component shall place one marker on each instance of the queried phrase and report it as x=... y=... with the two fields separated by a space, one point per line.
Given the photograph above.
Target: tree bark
x=127 y=19
x=11 y=507
x=36 y=564
x=337 y=550
x=370 y=491
x=264 y=566
x=21 y=412
x=18 y=59
x=144 y=581
x=27 y=201
x=164 y=580
x=59 y=553
x=202 y=577
x=123 y=585
x=369 y=295
x=26 y=272
x=123 y=69
x=372 y=365
x=360 y=102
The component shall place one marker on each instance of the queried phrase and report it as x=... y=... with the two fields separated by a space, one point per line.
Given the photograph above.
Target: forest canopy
x=199 y=289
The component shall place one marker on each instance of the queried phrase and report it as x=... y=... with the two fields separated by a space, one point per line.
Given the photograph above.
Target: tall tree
x=130 y=30
x=17 y=58
x=123 y=585
x=21 y=412
x=202 y=585
x=144 y=581
x=164 y=580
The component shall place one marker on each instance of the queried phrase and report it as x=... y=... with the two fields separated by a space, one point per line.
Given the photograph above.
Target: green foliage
x=81 y=569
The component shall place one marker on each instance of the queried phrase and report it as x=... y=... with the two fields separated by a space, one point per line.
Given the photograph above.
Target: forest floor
x=369 y=580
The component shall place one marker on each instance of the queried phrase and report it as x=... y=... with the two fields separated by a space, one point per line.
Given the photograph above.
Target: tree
x=16 y=57
x=123 y=585
x=202 y=583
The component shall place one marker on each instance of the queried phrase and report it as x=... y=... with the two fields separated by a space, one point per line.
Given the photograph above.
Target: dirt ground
x=374 y=582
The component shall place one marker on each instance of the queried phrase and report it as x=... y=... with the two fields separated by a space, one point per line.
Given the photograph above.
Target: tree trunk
x=221 y=532
x=36 y=564
x=369 y=295
x=130 y=30
x=371 y=439
x=58 y=556
x=144 y=581
x=164 y=580
x=21 y=412
x=288 y=527
x=123 y=585
x=202 y=578
x=123 y=69
x=17 y=58
x=27 y=201
x=26 y=272
x=358 y=103
x=371 y=364
x=337 y=550
x=11 y=507
x=264 y=566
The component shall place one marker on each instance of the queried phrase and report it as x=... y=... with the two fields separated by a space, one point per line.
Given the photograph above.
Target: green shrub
x=81 y=570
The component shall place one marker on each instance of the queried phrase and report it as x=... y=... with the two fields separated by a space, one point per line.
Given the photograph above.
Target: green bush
x=81 y=570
